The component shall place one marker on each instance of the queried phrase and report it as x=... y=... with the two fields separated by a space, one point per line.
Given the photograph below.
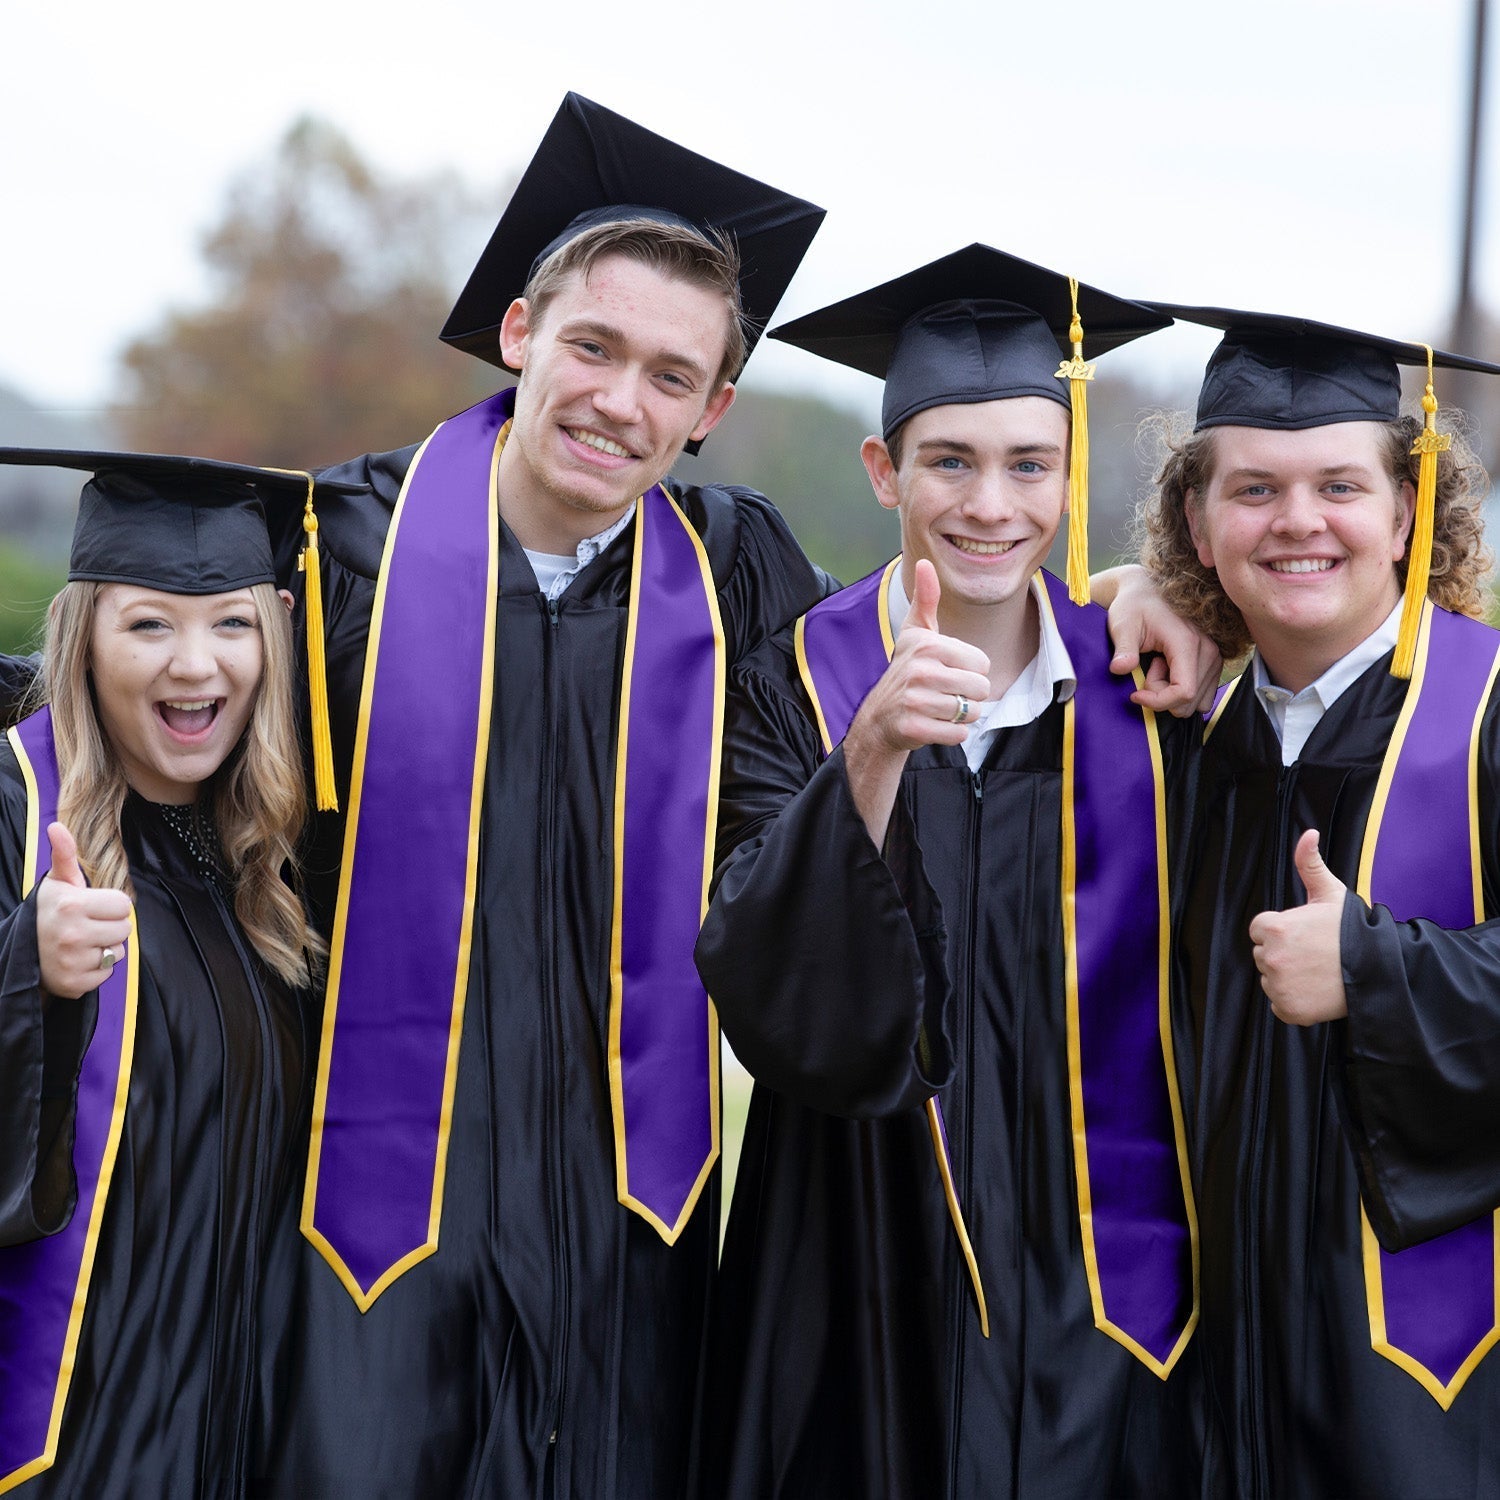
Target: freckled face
x=175 y=678
x=1304 y=530
x=617 y=376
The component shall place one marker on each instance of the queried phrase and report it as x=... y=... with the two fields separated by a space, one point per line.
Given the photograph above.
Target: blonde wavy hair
x=258 y=796
x=1184 y=463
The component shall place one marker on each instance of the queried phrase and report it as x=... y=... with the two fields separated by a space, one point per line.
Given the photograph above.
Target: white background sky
x=1290 y=155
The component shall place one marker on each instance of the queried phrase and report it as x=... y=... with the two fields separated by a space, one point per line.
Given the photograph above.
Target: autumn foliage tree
x=331 y=281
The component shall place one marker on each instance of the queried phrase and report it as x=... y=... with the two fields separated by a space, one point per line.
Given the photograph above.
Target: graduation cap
x=981 y=325
x=1287 y=373
x=596 y=167
x=195 y=526
x=1291 y=373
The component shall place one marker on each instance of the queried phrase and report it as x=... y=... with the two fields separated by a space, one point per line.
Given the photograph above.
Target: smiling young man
x=960 y=1259
x=511 y=1218
x=1343 y=1013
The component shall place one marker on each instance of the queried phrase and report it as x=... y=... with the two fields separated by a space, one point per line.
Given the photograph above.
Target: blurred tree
x=26 y=587
x=332 y=282
x=804 y=453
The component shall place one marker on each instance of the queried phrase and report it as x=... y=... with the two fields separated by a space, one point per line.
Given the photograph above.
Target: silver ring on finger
x=108 y=958
x=961 y=708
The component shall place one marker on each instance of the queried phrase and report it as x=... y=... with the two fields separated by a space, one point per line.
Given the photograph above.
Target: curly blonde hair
x=1184 y=462
x=258 y=796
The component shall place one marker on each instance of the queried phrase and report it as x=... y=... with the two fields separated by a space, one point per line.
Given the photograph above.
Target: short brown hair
x=1461 y=562
x=709 y=260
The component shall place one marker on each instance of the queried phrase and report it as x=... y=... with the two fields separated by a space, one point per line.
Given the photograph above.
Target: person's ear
x=515 y=330
x=714 y=413
x=877 y=461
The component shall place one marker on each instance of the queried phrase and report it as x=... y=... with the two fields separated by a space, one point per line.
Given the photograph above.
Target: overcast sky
x=1290 y=155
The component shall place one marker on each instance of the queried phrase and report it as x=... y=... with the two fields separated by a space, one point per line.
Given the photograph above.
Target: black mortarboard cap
x=182 y=525
x=196 y=526
x=1291 y=373
x=981 y=325
x=594 y=166
x=977 y=325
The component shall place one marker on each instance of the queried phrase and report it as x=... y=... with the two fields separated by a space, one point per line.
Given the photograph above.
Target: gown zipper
x=560 y=1238
x=963 y=1176
x=1286 y=782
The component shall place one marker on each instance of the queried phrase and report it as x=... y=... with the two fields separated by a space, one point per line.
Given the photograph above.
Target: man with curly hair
x=1344 y=1015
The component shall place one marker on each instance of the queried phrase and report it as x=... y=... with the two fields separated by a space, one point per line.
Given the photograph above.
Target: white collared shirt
x=556 y=570
x=1294 y=716
x=1046 y=679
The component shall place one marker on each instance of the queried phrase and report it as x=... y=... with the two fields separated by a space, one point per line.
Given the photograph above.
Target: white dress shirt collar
x=555 y=571
x=1294 y=716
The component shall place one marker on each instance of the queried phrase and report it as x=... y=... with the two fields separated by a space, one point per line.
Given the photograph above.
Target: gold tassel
x=324 y=791
x=1076 y=372
x=1430 y=442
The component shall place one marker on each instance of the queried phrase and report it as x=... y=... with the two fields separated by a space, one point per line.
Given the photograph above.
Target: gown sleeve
x=824 y=955
x=41 y=1049
x=1421 y=1063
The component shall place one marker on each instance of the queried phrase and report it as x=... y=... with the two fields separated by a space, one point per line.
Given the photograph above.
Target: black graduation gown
x=849 y=1359
x=17 y=675
x=1400 y=1103
x=180 y=1325
x=554 y=1343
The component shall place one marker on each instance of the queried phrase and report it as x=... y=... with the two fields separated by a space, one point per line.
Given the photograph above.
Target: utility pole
x=1466 y=333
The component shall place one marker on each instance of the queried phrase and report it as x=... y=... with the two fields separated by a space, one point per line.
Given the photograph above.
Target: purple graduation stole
x=399 y=966
x=44 y=1284
x=1434 y=1308
x=1136 y=1215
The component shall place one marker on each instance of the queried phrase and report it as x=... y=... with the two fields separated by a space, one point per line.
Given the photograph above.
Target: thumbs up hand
x=1297 y=951
x=927 y=696
x=931 y=678
x=80 y=931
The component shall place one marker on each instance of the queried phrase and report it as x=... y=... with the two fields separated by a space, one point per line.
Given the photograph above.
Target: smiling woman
x=175 y=679
x=153 y=1040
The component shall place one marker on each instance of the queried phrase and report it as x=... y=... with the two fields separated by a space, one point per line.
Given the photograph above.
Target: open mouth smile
x=188 y=720
x=1303 y=565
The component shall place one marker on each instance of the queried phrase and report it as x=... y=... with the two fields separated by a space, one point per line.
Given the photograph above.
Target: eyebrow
x=1328 y=472
x=968 y=450
x=161 y=601
x=607 y=333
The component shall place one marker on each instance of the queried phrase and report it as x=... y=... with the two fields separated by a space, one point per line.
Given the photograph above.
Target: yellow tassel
x=317 y=666
x=1430 y=442
x=1076 y=372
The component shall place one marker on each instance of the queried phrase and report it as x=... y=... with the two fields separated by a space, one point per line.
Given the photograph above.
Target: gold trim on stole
x=668 y=1232
x=1102 y=1322
x=1220 y=706
x=365 y=1300
x=934 y=1123
x=888 y=639
x=48 y=1455
x=1444 y=1395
